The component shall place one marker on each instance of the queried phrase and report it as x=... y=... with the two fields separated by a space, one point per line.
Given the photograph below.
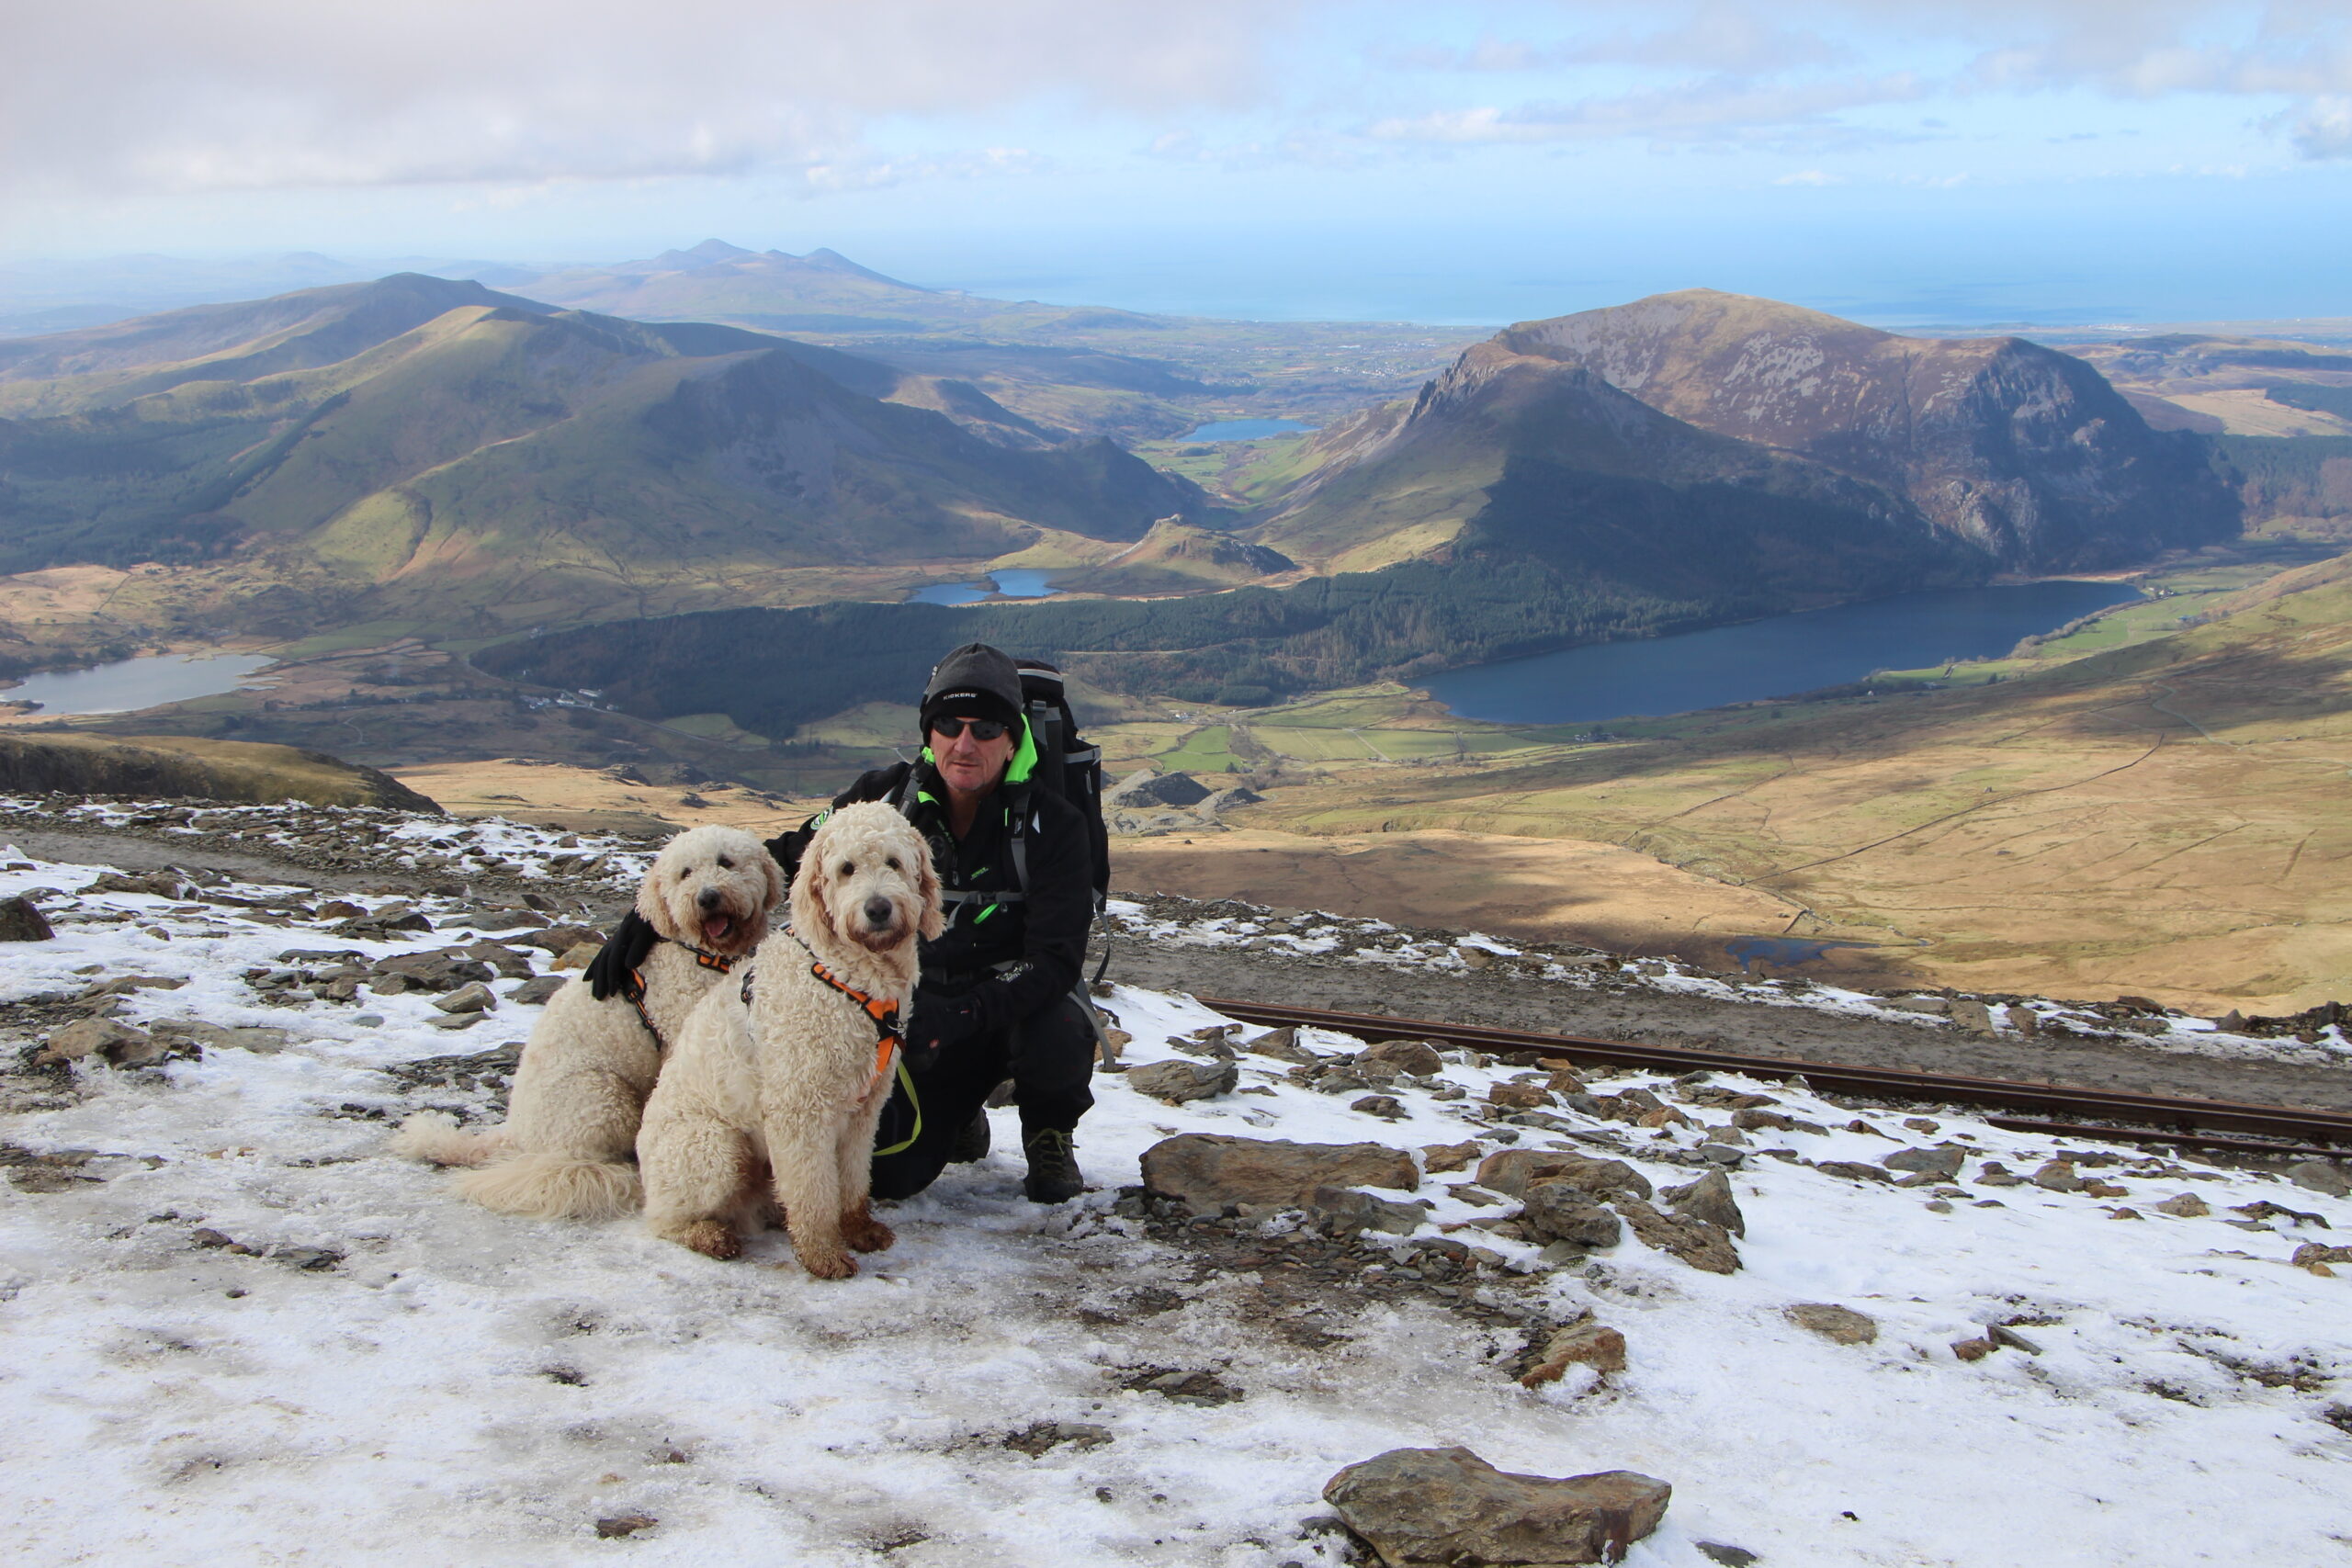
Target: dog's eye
x=893 y=862
x=849 y=868
x=726 y=864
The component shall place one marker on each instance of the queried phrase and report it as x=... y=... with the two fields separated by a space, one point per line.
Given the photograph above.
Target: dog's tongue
x=717 y=928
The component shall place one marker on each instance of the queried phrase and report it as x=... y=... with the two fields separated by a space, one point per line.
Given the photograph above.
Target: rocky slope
x=2026 y=453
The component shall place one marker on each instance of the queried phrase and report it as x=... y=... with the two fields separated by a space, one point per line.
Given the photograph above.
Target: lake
x=1775 y=658
x=1247 y=429
x=130 y=684
x=1012 y=583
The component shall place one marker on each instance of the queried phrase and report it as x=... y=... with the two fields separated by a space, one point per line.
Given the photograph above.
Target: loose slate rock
x=1208 y=1170
x=1176 y=1082
x=1590 y=1344
x=1345 y=1209
x=1840 y=1326
x=2320 y=1176
x=1040 y=1437
x=1700 y=1244
x=618 y=1526
x=20 y=921
x=1513 y=1171
x=1417 y=1057
x=103 y=1038
x=1449 y=1506
x=1559 y=1211
x=1709 y=1199
x=1943 y=1164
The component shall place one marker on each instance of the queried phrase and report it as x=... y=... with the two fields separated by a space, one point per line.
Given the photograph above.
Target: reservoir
x=1775 y=658
x=1247 y=429
x=130 y=684
x=1012 y=583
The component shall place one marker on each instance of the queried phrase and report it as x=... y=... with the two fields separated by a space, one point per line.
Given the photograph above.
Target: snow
x=467 y=1387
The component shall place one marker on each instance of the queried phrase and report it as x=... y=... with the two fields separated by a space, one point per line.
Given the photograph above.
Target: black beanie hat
x=976 y=681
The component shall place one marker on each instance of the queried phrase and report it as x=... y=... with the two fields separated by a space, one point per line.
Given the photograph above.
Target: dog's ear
x=934 y=923
x=811 y=913
x=652 y=902
x=774 y=869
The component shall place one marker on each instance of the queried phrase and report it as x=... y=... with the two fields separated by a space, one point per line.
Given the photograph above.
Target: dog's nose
x=709 y=899
x=879 y=912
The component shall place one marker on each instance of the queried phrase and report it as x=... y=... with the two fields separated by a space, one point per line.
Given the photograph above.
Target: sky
x=2049 y=162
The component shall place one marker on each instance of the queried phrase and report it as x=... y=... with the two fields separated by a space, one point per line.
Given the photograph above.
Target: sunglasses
x=981 y=728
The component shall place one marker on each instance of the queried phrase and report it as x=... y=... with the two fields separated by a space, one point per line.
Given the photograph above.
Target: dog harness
x=633 y=987
x=888 y=1035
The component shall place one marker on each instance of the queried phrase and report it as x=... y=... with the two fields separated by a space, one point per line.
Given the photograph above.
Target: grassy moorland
x=2167 y=817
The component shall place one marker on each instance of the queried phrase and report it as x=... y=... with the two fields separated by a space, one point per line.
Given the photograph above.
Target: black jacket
x=1013 y=958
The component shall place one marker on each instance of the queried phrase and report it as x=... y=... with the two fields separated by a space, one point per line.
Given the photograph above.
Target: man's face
x=967 y=762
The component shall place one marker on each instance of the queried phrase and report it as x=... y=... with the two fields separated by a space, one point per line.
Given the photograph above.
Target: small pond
x=1247 y=429
x=1012 y=582
x=130 y=684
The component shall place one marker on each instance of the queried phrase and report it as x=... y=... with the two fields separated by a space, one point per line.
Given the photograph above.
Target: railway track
x=2103 y=1114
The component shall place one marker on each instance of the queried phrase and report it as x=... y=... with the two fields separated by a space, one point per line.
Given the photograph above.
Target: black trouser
x=1049 y=1056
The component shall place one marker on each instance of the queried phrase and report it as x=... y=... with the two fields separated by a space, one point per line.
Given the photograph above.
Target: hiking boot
x=971 y=1144
x=1052 y=1167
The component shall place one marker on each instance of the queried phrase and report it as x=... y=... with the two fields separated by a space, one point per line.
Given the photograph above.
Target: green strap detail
x=909 y=1084
x=984 y=914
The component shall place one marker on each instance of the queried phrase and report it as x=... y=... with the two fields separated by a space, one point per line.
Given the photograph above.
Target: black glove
x=944 y=1023
x=608 y=973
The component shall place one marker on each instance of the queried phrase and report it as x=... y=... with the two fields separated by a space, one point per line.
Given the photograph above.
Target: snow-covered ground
x=458 y=1387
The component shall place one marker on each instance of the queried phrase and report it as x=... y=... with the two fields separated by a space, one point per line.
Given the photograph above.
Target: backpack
x=1067 y=763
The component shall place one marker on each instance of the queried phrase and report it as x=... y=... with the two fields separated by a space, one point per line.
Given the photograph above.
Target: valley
x=628 y=547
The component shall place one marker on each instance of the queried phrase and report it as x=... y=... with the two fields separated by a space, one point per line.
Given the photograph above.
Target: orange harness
x=883 y=1015
x=633 y=989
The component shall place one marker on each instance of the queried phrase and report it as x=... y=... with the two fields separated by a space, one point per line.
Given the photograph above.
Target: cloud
x=217 y=95
x=2323 y=129
x=1717 y=111
x=1721 y=35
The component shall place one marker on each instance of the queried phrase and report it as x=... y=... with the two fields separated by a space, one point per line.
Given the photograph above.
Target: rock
x=536 y=989
x=1474 y=957
x=1971 y=1015
x=1587 y=1344
x=1972 y=1350
x=1852 y=1170
x=2320 y=1252
x=1840 y=1326
x=260 y=1039
x=1208 y=1170
x=154 y=884
x=1559 y=1211
x=1176 y=1082
x=1566 y=1080
x=2001 y=1334
x=619 y=1526
x=2058 y=1176
x=1146 y=788
x=1189 y=1388
x=1436 y=1158
x=1282 y=1044
x=1042 y=1437
x=1519 y=1096
x=1449 y=1506
x=1417 y=1057
x=127 y=983
x=1762 y=1121
x=473 y=997
x=340 y=909
x=2022 y=1019
x=560 y=939
x=2185 y=1206
x=1343 y=1209
x=21 y=921
x=1933 y=1006
x=1700 y=1244
x=2320 y=1176
x=579 y=955
x=1513 y=1171
x=1944 y=1163
x=1386 y=1107
x=1727 y=1555
x=1219 y=800
x=103 y=1038
x=1709 y=1199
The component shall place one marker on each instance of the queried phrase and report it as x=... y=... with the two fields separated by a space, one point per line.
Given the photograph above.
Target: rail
x=2145 y=1118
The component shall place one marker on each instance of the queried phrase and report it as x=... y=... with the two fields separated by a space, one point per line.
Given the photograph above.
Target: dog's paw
x=829 y=1265
x=866 y=1234
x=711 y=1240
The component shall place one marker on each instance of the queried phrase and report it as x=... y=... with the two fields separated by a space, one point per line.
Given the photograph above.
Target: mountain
x=1520 y=458
x=1177 y=557
x=2026 y=454
x=422 y=449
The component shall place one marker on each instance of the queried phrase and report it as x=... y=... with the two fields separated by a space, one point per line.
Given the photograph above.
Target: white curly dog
x=776 y=1099
x=571 y=1121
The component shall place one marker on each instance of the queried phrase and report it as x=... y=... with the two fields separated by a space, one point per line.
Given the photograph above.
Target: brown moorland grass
x=2171 y=819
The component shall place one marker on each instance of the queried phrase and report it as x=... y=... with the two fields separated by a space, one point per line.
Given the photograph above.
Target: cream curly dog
x=792 y=1083
x=579 y=1092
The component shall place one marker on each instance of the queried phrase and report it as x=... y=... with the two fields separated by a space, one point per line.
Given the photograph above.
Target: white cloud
x=1721 y=110
x=213 y=95
x=1810 y=177
x=2323 y=129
